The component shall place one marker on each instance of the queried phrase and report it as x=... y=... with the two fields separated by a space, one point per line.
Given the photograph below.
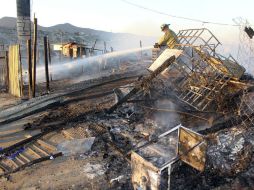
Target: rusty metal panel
x=152 y=162
x=144 y=173
x=15 y=71
x=192 y=148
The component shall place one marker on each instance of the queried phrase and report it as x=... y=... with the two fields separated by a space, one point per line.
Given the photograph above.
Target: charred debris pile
x=211 y=95
x=185 y=124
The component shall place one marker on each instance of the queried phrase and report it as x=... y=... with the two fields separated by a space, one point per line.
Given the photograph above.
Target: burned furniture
x=153 y=161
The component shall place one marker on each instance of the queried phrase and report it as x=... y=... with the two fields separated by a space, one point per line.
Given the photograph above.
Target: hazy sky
x=117 y=16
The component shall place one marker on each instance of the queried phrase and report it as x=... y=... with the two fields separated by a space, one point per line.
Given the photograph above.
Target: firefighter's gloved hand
x=156 y=45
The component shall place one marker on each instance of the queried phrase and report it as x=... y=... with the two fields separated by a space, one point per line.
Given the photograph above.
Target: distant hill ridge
x=8 y=27
x=11 y=23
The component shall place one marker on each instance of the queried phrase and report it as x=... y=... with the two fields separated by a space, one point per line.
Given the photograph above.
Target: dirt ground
x=104 y=167
x=93 y=170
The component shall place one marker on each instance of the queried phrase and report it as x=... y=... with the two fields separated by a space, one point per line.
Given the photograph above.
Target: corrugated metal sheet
x=15 y=71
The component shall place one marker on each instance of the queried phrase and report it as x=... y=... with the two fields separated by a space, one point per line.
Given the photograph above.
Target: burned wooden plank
x=5 y=167
x=24 y=157
x=40 y=150
x=47 y=145
x=42 y=159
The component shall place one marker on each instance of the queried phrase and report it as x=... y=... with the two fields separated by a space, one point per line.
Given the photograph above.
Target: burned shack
x=75 y=50
x=72 y=50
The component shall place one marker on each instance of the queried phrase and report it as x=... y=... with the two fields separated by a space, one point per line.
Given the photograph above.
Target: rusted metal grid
x=246 y=109
x=202 y=38
x=202 y=73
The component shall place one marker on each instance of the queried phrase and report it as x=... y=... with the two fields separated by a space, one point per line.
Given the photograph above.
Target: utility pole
x=29 y=61
x=34 y=55
x=46 y=63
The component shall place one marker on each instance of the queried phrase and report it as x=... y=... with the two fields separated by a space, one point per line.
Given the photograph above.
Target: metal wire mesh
x=246 y=109
x=201 y=72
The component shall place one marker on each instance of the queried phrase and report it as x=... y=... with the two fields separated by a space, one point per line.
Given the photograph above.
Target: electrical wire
x=178 y=17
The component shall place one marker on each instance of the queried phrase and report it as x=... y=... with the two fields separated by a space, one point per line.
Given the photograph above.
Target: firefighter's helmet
x=163 y=26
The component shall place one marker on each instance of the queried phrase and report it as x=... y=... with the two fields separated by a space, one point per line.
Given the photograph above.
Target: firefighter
x=168 y=40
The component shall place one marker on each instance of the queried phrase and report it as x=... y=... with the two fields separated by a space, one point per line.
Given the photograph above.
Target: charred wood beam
x=143 y=84
x=29 y=62
x=40 y=108
x=36 y=161
x=46 y=59
x=34 y=56
x=144 y=100
x=7 y=70
x=11 y=149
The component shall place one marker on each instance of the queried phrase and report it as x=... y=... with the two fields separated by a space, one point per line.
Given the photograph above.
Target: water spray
x=93 y=64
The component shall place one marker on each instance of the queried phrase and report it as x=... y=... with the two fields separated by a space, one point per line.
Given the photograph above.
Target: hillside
x=68 y=32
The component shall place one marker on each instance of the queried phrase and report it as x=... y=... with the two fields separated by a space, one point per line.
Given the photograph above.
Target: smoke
x=166 y=120
x=93 y=67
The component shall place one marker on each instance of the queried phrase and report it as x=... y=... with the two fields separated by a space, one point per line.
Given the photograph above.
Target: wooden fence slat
x=15 y=71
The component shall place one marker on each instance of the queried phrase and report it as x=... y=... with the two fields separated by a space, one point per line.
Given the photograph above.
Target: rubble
x=130 y=135
x=231 y=151
x=77 y=146
x=93 y=170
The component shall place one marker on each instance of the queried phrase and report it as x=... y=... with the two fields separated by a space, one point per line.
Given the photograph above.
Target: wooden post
x=49 y=57
x=46 y=63
x=20 y=74
x=105 y=47
x=141 y=53
x=34 y=56
x=7 y=71
x=80 y=51
x=29 y=61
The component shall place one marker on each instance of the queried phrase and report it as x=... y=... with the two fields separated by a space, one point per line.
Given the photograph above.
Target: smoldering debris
x=77 y=146
x=206 y=85
x=230 y=151
x=193 y=85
